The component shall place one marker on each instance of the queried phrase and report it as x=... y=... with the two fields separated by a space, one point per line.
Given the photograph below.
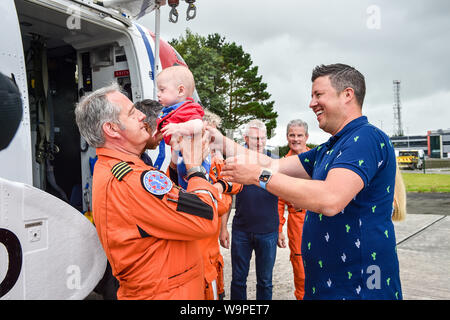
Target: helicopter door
x=16 y=159
x=99 y=68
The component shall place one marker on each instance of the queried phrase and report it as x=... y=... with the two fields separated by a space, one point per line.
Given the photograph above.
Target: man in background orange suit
x=297 y=135
x=213 y=259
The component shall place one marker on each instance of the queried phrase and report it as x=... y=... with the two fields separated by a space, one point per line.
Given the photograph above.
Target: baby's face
x=168 y=92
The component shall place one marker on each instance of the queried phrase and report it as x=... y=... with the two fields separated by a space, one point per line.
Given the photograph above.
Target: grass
x=430 y=182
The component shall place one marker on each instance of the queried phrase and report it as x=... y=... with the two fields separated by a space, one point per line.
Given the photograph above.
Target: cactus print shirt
x=352 y=255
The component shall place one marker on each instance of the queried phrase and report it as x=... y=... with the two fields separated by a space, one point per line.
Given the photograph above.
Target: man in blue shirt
x=255 y=227
x=347 y=186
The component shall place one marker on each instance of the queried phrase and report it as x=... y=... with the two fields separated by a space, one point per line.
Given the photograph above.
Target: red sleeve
x=190 y=111
x=186 y=112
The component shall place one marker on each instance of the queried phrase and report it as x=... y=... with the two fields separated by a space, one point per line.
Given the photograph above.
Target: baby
x=181 y=116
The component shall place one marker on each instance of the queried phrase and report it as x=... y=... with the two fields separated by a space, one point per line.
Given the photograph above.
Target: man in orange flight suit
x=148 y=227
x=297 y=135
x=212 y=255
x=212 y=258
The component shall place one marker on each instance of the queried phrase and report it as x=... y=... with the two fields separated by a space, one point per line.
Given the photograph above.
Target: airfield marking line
x=422 y=229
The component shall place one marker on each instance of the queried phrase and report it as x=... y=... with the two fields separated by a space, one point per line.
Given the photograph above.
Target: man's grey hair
x=151 y=109
x=93 y=111
x=297 y=123
x=255 y=123
x=343 y=76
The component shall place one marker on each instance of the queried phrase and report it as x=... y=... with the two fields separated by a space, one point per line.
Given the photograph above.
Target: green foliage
x=283 y=150
x=205 y=64
x=226 y=80
x=419 y=182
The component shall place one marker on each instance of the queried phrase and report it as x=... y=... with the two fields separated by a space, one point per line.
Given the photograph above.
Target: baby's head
x=175 y=84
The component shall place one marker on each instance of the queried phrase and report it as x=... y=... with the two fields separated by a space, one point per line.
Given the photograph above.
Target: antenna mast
x=398 y=130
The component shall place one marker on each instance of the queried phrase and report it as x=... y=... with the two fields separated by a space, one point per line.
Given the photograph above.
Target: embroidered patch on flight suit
x=155 y=182
x=214 y=170
x=120 y=170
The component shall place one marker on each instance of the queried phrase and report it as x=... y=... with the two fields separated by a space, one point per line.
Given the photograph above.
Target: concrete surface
x=423 y=249
x=425 y=259
x=428 y=203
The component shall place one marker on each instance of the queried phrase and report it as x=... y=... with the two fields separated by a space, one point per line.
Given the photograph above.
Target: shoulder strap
x=120 y=170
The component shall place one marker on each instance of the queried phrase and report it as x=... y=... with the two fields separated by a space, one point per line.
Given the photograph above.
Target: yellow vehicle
x=412 y=159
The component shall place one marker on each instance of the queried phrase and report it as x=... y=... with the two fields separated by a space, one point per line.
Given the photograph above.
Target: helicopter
x=56 y=51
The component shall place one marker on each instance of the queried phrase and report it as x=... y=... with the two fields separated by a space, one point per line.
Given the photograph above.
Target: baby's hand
x=175 y=129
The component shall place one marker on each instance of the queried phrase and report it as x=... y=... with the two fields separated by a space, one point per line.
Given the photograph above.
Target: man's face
x=256 y=139
x=327 y=104
x=297 y=138
x=132 y=127
x=153 y=141
x=168 y=91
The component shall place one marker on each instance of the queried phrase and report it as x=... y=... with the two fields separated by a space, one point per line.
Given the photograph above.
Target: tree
x=226 y=80
x=283 y=150
x=205 y=64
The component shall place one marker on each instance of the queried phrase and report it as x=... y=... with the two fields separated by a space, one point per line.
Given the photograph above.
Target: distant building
x=439 y=143
x=436 y=144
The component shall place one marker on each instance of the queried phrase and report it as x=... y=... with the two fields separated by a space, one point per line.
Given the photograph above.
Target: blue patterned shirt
x=352 y=255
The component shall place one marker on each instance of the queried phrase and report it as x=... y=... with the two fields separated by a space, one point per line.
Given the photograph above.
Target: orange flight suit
x=148 y=237
x=294 y=231
x=212 y=258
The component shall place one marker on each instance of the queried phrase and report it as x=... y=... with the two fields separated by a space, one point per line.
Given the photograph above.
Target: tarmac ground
x=423 y=248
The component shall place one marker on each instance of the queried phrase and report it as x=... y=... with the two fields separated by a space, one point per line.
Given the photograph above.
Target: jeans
x=242 y=245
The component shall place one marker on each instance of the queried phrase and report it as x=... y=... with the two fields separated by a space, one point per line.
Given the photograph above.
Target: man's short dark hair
x=151 y=109
x=343 y=76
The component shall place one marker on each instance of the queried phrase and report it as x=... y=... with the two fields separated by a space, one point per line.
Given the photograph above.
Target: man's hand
x=174 y=159
x=281 y=240
x=216 y=138
x=192 y=150
x=219 y=187
x=205 y=144
x=224 y=238
x=241 y=169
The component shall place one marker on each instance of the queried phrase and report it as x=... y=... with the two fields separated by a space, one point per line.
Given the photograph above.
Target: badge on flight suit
x=156 y=183
x=214 y=170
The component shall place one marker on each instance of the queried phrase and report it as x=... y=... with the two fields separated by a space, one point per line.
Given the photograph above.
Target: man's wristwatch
x=195 y=169
x=264 y=177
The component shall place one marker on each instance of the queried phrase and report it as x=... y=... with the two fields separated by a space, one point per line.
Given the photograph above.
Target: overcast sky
x=386 y=40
